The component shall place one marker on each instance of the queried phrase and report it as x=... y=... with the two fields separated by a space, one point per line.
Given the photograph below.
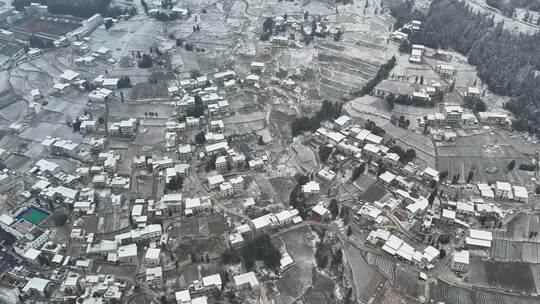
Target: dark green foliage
x=333 y=207
x=358 y=171
x=145 y=6
x=200 y=139
x=36 y=42
x=108 y=24
x=405 y=47
x=124 y=82
x=382 y=73
x=443 y=175
x=211 y=164
x=60 y=219
x=324 y=153
x=372 y=126
x=411 y=101
x=231 y=257
x=521 y=125
x=260 y=249
x=404 y=156
x=337 y=35
x=78 y=8
x=268 y=29
x=511 y=165
x=527 y=167
x=296 y=199
x=476 y=105
x=470 y=176
x=196 y=111
x=444 y=238
x=145 y=62
x=401 y=11
x=320 y=257
x=328 y=111
x=337 y=259
x=409 y=155
x=432 y=196
x=175 y=183
x=21 y=4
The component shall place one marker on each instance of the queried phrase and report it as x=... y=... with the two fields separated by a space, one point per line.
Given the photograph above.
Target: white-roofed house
x=215 y=181
x=479 y=239
x=36 y=285
x=319 y=212
x=212 y=282
x=386 y=178
x=127 y=254
x=247 y=281
x=264 y=223
x=503 y=190
x=431 y=174
x=460 y=261
x=152 y=256
x=183 y=297
x=311 y=189
x=521 y=194
x=342 y=122
x=154 y=276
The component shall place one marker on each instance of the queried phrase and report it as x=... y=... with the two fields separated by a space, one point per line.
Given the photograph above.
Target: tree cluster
x=402 y=11
x=175 y=183
x=373 y=128
x=409 y=101
x=382 y=73
x=145 y=62
x=231 y=257
x=296 y=199
x=124 y=82
x=60 y=219
x=108 y=23
x=324 y=153
x=328 y=111
x=268 y=28
x=261 y=249
x=200 y=138
x=358 y=171
x=198 y=109
x=404 y=156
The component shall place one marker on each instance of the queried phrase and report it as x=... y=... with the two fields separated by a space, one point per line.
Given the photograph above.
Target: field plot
x=244 y=123
x=393 y=297
x=374 y=193
x=296 y=281
x=123 y=110
x=457 y=295
x=145 y=90
x=487 y=155
x=514 y=243
x=366 y=279
x=51 y=27
x=515 y=277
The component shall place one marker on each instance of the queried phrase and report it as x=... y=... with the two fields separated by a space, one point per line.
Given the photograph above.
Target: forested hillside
x=508 y=63
x=508 y=7
x=78 y=8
